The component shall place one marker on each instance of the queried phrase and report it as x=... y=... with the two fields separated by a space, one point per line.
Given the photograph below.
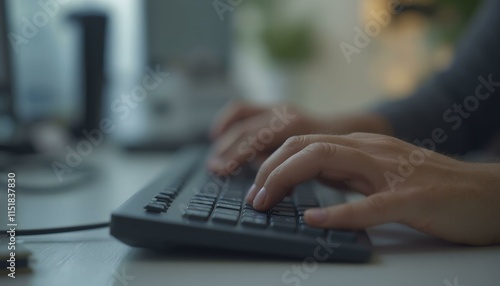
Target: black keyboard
x=187 y=206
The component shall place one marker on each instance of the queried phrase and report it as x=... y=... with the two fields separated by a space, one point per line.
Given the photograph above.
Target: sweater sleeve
x=458 y=109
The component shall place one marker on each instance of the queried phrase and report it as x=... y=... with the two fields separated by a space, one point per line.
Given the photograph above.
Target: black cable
x=42 y=231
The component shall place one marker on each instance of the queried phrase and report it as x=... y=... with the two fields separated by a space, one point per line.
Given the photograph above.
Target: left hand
x=454 y=200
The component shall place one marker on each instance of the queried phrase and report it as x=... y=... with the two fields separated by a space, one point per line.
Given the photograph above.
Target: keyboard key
x=202 y=202
x=164 y=204
x=227 y=211
x=228 y=206
x=283 y=213
x=196 y=214
x=254 y=214
x=164 y=198
x=221 y=217
x=210 y=200
x=283 y=219
x=199 y=207
x=230 y=202
x=253 y=222
x=248 y=207
x=155 y=207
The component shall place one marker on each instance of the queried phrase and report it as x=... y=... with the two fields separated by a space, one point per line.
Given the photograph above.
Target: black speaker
x=93 y=32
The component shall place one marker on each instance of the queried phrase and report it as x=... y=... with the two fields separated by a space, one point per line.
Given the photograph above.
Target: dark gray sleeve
x=462 y=104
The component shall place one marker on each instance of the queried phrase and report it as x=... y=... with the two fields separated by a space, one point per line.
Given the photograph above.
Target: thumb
x=373 y=210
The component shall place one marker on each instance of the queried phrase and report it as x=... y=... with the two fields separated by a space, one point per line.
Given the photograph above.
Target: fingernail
x=251 y=193
x=260 y=198
x=315 y=215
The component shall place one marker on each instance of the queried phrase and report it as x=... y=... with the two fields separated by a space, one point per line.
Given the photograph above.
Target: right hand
x=244 y=133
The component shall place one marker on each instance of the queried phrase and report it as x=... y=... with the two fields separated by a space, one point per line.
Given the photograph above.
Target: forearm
x=461 y=103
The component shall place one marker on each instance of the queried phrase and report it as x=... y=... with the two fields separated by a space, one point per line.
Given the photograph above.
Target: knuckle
x=264 y=170
x=321 y=148
x=276 y=178
x=384 y=143
x=294 y=142
x=275 y=174
x=389 y=141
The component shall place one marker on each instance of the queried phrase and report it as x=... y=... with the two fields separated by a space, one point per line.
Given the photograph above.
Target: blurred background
x=66 y=65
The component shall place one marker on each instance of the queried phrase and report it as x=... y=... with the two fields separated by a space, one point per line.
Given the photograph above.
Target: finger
x=363 y=135
x=373 y=210
x=259 y=160
x=289 y=148
x=233 y=112
x=225 y=150
x=240 y=144
x=332 y=161
x=229 y=139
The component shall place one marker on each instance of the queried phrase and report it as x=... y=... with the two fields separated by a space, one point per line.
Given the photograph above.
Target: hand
x=243 y=133
x=246 y=133
x=433 y=193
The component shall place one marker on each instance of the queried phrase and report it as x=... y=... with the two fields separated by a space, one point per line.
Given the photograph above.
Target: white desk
x=402 y=256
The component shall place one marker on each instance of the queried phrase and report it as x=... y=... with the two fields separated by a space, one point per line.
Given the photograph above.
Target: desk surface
x=402 y=256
